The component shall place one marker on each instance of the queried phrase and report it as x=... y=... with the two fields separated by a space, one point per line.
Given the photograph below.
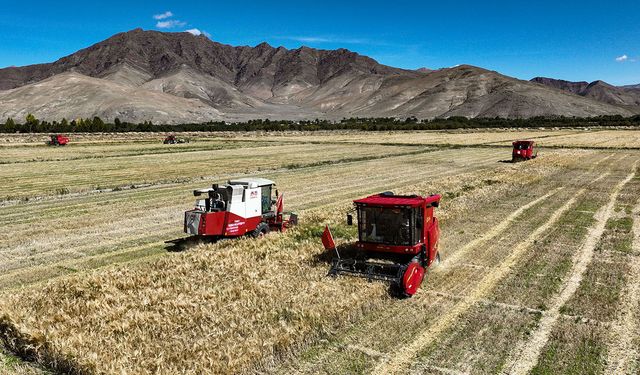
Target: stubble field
x=540 y=271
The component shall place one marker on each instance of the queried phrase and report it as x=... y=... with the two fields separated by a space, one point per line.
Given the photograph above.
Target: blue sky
x=573 y=40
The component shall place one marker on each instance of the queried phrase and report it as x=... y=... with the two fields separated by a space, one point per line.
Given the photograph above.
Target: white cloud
x=622 y=58
x=165 y=23
x=333 y=39
x=197 y=32
x=170 y=24
x=164 y=15
x=309 y=39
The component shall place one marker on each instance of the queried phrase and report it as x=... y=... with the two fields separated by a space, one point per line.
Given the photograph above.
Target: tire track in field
x=525 y=355
x=580 y=169
x=405 y=354
x=622 y=355
x=495 y=231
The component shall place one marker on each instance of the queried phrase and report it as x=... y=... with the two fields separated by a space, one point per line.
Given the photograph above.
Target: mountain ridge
x=628 y=96
x=215 y=81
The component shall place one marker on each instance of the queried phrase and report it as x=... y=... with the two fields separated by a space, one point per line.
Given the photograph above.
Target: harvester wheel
x=261 y=230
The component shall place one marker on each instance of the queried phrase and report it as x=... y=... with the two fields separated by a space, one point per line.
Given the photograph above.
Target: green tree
x=97 y=125
x=9 y=126
x=31 y=122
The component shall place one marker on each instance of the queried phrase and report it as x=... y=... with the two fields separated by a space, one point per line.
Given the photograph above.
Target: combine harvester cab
x=58 y=140
x=397 y=240
x=524 y=150
x=240 y=207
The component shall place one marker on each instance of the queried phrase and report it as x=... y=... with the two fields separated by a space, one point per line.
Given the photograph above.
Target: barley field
x=540 y=269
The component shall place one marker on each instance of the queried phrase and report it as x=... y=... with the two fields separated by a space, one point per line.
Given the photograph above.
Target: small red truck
x=524 y=150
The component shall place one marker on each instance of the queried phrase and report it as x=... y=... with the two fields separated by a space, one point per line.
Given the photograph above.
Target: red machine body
x=58 y=140
x=397 y=240
x=524 y=150
x=241 y=207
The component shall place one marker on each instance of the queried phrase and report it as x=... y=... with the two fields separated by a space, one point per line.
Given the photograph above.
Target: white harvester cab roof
x=252 y=181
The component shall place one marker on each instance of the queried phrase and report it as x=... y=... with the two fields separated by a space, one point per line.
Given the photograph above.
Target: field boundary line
x=368 y=351
x=493 y=233
x=488 y=302
x=405 y=354
x=525 y=354
x=621 y=352
x=442 y=370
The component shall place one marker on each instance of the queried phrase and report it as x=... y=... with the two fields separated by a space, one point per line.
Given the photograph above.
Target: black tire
x=261 y=230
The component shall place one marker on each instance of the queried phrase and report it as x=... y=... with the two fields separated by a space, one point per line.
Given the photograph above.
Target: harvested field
x=538 y=274
x=569 y=138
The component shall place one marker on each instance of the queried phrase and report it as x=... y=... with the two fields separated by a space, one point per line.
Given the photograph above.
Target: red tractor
x=240 y=207
x=397 y=240
x=58 y=140
x=524 y=150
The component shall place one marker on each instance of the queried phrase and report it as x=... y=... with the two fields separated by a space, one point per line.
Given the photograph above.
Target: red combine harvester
x=240 y=207
x=58 y=140
x=397 y=240
x=524 y=150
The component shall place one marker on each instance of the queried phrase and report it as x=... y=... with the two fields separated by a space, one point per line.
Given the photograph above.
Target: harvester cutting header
x=240 y=207
x=397 y=240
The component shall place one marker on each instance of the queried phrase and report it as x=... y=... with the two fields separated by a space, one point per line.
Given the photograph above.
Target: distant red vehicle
x=524 y=150
x=58 y=140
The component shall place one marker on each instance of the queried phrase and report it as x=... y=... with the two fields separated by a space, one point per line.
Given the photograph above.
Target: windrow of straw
x=231 y=307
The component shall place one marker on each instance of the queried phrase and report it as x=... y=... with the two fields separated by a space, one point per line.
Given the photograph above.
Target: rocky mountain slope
x=178 y=77
x=628 y=96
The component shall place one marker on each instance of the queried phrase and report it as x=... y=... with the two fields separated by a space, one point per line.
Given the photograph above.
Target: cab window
x=266 y=198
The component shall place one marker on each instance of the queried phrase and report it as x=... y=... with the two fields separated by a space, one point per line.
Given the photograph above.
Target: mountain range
x=178 y=78
x=628 y=96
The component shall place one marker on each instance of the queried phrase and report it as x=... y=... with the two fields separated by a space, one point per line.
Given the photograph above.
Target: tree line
x=94 y=125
